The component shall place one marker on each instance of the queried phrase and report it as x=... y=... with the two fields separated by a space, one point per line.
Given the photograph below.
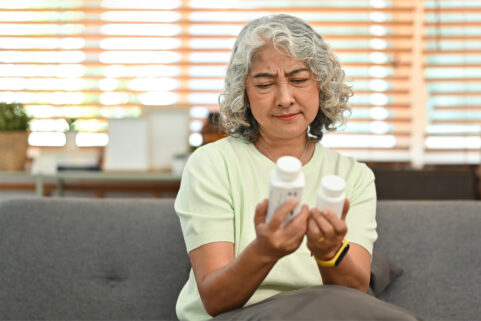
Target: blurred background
x=119 y=92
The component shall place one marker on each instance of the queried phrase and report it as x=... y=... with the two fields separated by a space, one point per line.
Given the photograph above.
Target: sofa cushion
x=437 y=245
x=84 y=259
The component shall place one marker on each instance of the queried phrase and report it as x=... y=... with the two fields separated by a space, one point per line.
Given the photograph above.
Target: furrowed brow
x=296 y=71
x=269 y=75
x=263 y=75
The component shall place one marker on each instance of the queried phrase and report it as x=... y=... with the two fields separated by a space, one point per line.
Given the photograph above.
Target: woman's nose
x=284 y=96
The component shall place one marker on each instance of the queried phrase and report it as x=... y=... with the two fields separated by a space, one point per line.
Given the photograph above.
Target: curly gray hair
x=301 y=42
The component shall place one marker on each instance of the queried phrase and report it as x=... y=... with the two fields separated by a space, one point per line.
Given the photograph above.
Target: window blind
x=373 y=42
x=453 y=77
x=89 y=61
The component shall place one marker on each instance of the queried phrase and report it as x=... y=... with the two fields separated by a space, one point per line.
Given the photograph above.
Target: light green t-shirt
x=221 y=186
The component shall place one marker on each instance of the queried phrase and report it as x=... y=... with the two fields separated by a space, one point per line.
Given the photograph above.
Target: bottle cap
x=288 y=168
x=332 y=185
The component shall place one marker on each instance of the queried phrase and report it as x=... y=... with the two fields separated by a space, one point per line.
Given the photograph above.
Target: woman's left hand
x=326 y=232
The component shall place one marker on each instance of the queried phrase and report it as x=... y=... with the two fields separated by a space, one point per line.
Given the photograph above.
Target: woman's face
x=283 y=95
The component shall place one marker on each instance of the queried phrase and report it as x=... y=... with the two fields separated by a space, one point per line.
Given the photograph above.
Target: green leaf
x=13 y=117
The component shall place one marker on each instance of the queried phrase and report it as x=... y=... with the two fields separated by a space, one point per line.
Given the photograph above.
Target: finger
x=325 y=227
x=299 y=222
x=338 y=225
x=261 y=212
x=314 y=226
x=313 y=231
x=302 y=216
x=345 y=209
x=280 y=215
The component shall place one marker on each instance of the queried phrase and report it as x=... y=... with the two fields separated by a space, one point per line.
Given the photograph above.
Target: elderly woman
x=283 y=88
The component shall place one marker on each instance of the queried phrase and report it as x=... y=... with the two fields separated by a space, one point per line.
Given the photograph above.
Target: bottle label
x=278 y=196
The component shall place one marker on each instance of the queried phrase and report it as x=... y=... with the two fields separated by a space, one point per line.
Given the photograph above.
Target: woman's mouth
x=287 y=117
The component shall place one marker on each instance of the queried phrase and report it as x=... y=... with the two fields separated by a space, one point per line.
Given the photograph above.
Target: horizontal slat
x=466 y=52
x=388 y=78
x=188 y=23
x=457 y=108
x=187 y=36
x=129 y=92
x=126 y=105
x=187 y=50
x=388 y=92
x=399 y=120
x=453 y=65
x=177 y=91
x=458 y=121
x=102 y=64
x=219 y=64
x=120 y=79
x=453 y=135
x=400 y=79
x=362 y=151
x=398 y=105
x=397 y=133
x=458 y=38
x=444 y=10
x=187 y=10
x=182 y=102
x=190 y=64
x=95 y=118
x=461 y=24
x=448 y=80
x=457 y=93
x=394 y=107
x=447 y=150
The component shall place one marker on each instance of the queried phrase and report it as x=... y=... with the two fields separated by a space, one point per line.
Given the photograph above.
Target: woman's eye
x=298 y=81
x=264 y=86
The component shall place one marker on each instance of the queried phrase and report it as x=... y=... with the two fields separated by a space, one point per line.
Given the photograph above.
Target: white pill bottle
x=331 y=194
x=286 y=181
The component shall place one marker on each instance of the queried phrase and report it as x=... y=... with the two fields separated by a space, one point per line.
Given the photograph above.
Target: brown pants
x=325 y=302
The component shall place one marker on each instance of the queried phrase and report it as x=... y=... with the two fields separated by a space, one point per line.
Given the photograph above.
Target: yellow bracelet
x=337 y=258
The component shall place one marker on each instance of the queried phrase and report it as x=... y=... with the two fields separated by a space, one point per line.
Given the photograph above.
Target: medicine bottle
x=286 y=181
x=331 y=194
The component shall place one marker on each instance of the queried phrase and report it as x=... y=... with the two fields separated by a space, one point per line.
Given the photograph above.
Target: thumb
x=261 y=212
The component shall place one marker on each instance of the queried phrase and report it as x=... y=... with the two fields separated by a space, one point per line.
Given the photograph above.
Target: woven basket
x=13 y=150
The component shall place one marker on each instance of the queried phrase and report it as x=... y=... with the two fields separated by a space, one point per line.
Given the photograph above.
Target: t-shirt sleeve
x=204 y=201
x=361 y=218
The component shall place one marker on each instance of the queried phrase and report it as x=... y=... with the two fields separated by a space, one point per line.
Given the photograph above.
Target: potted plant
x=14 y=125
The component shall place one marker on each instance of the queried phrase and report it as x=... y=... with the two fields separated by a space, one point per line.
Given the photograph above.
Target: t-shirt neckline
x=267 y=161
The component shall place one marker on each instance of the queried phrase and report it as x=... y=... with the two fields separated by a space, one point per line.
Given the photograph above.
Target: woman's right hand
x=274 y=238
x=226 y=281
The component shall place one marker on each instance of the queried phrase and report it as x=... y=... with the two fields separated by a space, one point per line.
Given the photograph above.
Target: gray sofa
x=83 y=259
